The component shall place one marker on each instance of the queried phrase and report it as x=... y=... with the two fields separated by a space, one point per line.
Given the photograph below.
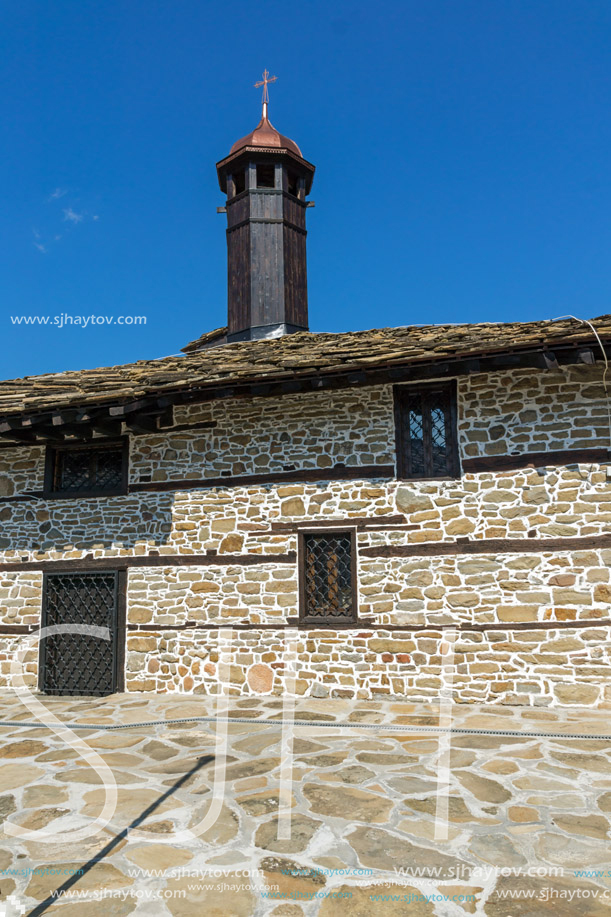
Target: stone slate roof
x=294 y=356
x=207 y=339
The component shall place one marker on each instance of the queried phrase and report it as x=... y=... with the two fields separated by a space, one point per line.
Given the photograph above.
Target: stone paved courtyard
x=364 y=802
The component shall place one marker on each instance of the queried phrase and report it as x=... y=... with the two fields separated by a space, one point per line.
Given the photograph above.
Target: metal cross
x=266 y=79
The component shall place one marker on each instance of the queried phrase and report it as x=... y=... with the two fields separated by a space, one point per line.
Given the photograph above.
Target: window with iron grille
x=80 y=650
x=425 y=424
x=328 y=575
x=82 y=470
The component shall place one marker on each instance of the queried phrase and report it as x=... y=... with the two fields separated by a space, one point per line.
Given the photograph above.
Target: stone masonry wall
x=512 y=652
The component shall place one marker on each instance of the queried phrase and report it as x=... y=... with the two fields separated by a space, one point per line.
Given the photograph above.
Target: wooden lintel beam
x=104 y=425
x=142 y=424
x=48 y=434
x=22 y=436
x=291 y=387
x=62 y=418
x=536 y=460
x=470 y=366
x=141 y=407
x=489 y=546
x=82 y=431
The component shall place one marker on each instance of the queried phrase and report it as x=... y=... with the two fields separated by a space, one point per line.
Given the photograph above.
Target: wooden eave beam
x=20 y=435
x=142 y=424
x=142 y=413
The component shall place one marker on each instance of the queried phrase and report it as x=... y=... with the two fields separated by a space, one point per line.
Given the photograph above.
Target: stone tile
x=500 y=766
x=559 y=800
x=353 y=773
x=158 y=856
x=348 y=803
x=565 y=898
x=28 y=748
x=131 y=803
x=585 y=825
x=251 y=768
x=262 y=803
x=523 y=814
x=426 y=830
x=382 y=850
x=331 y=759
x=306 y=747
x=99 y=876
x=121 y=759
x=560 y=850
x=464 y=891
x=43 y=794
x=604 y=802
x=461 y=758
x=542 y=784
x=412 y=786
x=357 y=902
x=119 y=908
x=158 y=751
x=255 y=744
x=66 y=851
x=385 y=760
x=496 y=850
x=291 y=877
x=114 y=740
x=41 y=817
x=17 y=775
x=596 y=763
x=86 y=774
x=7 y=806
x=8 y=888
x=483 y=741
x=303 y=829
x=457 y=810
x=224 y=829
x=483 y=788
x=214 y=900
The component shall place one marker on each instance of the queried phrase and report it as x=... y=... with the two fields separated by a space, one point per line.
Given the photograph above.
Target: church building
x=326 y=512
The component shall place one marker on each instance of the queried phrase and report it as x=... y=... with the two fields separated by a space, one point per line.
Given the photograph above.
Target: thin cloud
x=37 y=243
x=72 y=216
x=55 y=195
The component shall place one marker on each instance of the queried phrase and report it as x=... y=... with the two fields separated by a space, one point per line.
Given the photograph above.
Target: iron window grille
x=91 y=470
x=72 y=661
x=327 y=585
x=426 y=434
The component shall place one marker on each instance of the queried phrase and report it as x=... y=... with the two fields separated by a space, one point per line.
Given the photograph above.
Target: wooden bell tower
x=266 y=180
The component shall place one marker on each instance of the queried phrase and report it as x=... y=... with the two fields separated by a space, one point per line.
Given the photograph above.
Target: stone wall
x=533 y=410
x=528 y=632
x=541 y=667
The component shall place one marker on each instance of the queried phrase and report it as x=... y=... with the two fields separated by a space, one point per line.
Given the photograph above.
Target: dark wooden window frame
x=52 y=453
x=120 y=623
x=401 y=401
x=301 y=553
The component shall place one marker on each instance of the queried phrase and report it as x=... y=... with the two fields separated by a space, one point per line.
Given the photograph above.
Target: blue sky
x=462 y=153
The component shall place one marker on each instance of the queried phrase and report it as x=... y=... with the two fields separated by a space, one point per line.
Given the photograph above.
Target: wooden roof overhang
x=248 y=153
x=151 y=411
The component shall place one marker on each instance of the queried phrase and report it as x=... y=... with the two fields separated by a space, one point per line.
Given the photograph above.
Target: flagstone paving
x=362 y=803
